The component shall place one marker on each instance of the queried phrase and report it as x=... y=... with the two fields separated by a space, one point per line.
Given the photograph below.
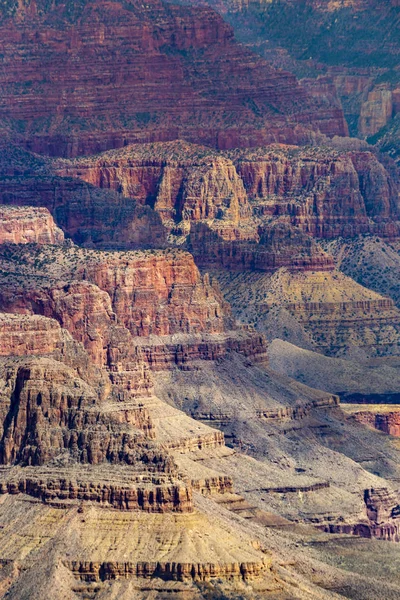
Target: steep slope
x=353 y=380
x=325 y=191
x=337 y=315
x=95 y=100
x=122 y=306
x=350 y=47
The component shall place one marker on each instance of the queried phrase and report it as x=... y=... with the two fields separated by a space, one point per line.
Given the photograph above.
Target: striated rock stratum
x=199 y=301
x=89 y=76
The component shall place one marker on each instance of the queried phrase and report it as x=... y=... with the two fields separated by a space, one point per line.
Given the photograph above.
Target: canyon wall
x=54 y=104
x=28 y=225
x=128 y=308
x=325 y=192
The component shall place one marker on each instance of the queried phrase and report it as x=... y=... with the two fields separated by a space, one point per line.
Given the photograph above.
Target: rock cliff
x=125 y=306
x=352 y=44
x=28 y=225
x=85 y=213
x=325 y=192
x=180 y=52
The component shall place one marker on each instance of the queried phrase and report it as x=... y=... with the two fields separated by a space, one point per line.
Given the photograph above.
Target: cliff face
x=64 y=108
x=180 y=181
x=382 y=417
x=354 y=44
x=268 y=248
x=51 y=396
x=125 y=305
x=28 y=225
x=382 y=510
x=324 y=192
x=85 y=213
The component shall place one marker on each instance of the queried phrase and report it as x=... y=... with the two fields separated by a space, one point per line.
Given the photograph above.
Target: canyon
x=199 y=300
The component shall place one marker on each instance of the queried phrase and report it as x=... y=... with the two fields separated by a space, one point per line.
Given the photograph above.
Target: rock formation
x=28 y=225
x=385 y=418
x=325 y=192
x=86 y=214
x=123 y=369
x=179 y=51
x=352 y=44
x=336 y=314
x=125 y=306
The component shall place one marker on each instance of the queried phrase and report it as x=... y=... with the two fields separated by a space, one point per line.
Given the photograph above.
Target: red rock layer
x=158 y=499
x=162 y=354
x=326 y=193
x=88 y=215
x=30 y=335
x=180 y=181
x=388 y=422
x=27 y=225
x=129 y=309
x=26 y=336
x=85 y=77
x=273 y=247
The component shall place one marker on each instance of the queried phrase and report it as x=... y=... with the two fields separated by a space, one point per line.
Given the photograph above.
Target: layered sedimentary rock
x=273 y=246
x=47 y=409
x=127 y=308
x=28 y=225
x=128 y=490
x=376 y=111
x=33 y=335
x=181 y=181
x=352 y=43
x=30 y=335
x=325 y=192
x=383 y=511
x=385 y=418
x=336 y=313
x=87 y=214
x=180 y=52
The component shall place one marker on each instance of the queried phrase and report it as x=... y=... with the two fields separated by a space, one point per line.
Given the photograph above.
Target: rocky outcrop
x=273 y=247
x=383 y=511
x=184 y=350
x=384 y=420
x=157 y=293
x=180 y=52
x=29 y=335
x=181 y=181
x=376 y=111
x=89 y=216
x=47 y=410
x=54 y=488
x=27 y=225
x=127 y=308
x=33 y=335
x=85 y=312
x=86 y=571
x=325 y=192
